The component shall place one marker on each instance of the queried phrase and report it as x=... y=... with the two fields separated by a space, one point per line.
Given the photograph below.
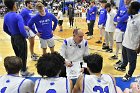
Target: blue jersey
x=92 y=13
x=26 y=14
x=14 y=24
x=43 y=25
x=102 y=17
x=121 y=18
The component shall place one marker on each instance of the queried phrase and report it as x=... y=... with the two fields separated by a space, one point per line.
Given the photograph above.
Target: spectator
x=71 y=15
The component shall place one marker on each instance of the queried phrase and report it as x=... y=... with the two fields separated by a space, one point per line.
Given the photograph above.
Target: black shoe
x=109 y=50
x=105 y=47
x=99 y=42
x=120 y=68
x=87 y=33
x=113 y=57
x=127 y=77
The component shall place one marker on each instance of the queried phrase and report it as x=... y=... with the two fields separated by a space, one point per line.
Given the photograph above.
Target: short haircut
x=103 y=1
x=9 y=4
x=94 y=62
x=27 y=2
x=12 y=64
x=134 y=7
x=39 y=6
x=50 y=64
x=108 y=5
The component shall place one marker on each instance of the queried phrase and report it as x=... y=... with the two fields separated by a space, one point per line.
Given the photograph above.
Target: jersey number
x=99 y=88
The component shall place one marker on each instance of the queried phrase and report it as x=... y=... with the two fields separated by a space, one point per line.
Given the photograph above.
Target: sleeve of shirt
x=105 y=14
x=86 y=50
x=115 y=18
x=123 y=18
x=31 y=25
x=27 y=86
x=21 y=26
x=5 y=28
x=54 y=19
x=63 y=49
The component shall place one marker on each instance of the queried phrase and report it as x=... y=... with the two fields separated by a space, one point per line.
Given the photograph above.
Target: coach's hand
x=68 y=64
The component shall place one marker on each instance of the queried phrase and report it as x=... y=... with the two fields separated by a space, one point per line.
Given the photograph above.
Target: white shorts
x=30 y=33
x=118 y=36
x=45 y=42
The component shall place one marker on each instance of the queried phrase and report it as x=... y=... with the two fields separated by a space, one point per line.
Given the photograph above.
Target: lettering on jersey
x=51 y=91
x=3 y=90
x=100 y=89
x=101 y=12
x=122 y=12
x=43 y=22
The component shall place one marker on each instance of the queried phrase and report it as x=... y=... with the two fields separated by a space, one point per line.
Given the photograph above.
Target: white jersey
x=15 y=84
x=52 y=85
x=60 y=15
x=95 y=84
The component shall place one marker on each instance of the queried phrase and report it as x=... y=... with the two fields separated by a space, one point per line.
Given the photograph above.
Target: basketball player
x=121 y=19
x=102 y=20
x=27 y=13
x=11 y=82
x=49 y=67
x=43 y=22
x=60 y=19
x=14 y=26
x=96 y=81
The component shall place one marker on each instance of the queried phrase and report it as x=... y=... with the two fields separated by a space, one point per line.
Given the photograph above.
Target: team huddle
x=74 y=69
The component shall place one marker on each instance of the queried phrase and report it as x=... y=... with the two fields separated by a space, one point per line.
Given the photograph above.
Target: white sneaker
x=89 y=37
x=34 y=57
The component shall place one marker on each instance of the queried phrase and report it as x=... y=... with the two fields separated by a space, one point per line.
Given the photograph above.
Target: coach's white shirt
x=15 y=84
x=60 y=15
x=73 y=52
x=110 y=27
x=132 y=34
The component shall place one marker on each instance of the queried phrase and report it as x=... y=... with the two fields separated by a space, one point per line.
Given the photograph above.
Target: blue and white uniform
x=44 y=26
x=15 y=84
x=121 y=19
x=102 y=18
x=95 y=84
x=52 y=85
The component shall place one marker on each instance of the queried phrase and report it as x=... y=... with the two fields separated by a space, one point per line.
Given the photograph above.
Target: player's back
x=95 y=84
x=52 y=85
x=15 y=84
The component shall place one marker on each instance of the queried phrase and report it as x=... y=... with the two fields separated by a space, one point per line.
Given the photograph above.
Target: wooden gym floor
x=6 y=48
